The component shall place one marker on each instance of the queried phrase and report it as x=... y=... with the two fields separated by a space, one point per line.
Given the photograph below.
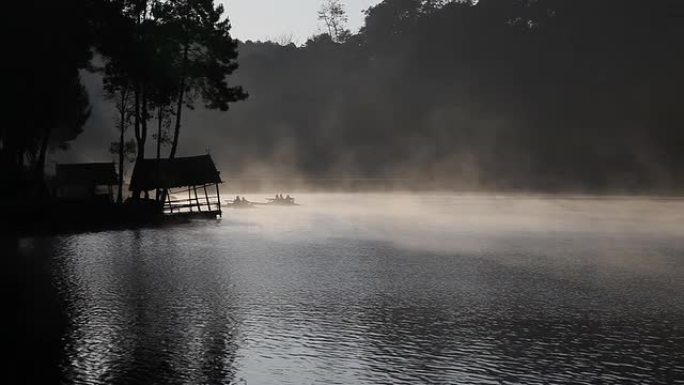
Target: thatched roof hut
x=189 y=173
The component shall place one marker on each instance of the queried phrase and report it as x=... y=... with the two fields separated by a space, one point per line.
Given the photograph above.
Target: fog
x=559 y=231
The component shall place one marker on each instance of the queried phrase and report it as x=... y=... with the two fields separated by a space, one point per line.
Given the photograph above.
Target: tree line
x=521 y=94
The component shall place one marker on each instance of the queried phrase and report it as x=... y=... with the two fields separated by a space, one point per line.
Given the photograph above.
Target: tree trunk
x=160 y=123
x=179 y=106
x=143 y=135
x=122 y=128
x=136 y=100
x=160 y=120
x=179 y=114
x=176 y=131
x=142 y=122
x=119 y=195
x=174 y=145
x=138 y=137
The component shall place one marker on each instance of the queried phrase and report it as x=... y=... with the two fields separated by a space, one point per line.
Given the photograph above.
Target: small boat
x=245 y=204
x=289 y=201
x=240 y=204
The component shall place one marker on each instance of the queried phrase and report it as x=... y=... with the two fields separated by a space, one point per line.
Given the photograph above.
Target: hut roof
x=150 y=174
x=86 y=174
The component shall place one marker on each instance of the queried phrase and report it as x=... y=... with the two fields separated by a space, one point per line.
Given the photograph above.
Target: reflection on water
x=365 y=290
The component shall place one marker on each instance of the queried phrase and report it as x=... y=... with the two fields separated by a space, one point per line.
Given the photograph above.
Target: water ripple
x=322 y=302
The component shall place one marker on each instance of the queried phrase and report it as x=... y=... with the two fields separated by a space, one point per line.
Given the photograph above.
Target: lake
x=380 y=289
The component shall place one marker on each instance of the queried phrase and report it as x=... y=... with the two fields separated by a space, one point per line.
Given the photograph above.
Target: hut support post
x=199 y=207
x=206 y=196
x=190 y=199
x=168 y=196
x=218 y=196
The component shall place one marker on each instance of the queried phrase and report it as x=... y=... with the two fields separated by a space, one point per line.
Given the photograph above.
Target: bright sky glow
x=273 y=19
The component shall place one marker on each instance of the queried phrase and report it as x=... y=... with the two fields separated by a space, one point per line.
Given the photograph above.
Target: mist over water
x=381 y=288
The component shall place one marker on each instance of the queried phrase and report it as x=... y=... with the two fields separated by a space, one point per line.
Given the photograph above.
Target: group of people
x=279 y=198
x=240 y=201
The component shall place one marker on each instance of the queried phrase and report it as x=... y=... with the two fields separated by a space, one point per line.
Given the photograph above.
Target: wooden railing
x=199 y=200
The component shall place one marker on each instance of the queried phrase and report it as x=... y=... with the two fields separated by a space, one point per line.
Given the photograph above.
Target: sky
x=272 y=19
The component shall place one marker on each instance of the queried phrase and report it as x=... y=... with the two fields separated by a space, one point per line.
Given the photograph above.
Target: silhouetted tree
x=122 y=148
x=335 y=18
x=205 y=55
x=168 y=52
x=66 y=121
x=137 y=50
x=47 y=106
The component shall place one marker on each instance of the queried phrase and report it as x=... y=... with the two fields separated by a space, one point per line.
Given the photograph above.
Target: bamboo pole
x=218 y=196
x=190 y=198
x=206 y=196
x=199 y=207
x=168 y=196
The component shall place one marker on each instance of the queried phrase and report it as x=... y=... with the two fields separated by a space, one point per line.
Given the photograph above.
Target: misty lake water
x=381 y=289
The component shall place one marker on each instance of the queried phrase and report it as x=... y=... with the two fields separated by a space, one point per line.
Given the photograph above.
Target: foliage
x=47 y=106
x=520 y=94
x=170 y=52
x=129 y=150
x=335 y=18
